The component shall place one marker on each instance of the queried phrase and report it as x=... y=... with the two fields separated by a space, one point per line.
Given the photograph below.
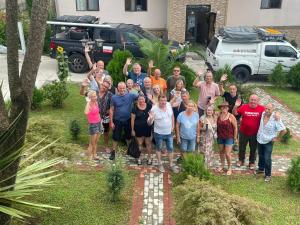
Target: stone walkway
x=153 y=205
x=290 y=119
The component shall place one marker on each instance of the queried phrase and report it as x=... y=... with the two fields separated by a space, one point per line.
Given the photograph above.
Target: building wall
x=286 y=19
x=245 y=12
x=177 y=15
x=114 y=11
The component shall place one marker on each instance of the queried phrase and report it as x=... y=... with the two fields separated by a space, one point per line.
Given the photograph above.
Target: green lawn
x=83 y=200
x=285 y=205
x=288 y=96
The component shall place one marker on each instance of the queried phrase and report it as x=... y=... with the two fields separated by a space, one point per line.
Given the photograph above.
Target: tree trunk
x=20 y=86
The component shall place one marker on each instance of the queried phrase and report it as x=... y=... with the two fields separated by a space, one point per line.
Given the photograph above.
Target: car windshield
x=146 y=34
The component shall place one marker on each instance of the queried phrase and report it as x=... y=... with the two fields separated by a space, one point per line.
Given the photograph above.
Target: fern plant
x=293 y=180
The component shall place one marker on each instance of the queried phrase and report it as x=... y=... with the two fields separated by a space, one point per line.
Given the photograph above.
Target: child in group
x=95 y=128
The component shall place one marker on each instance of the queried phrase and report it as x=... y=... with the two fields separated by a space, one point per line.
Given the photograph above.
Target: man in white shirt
x=163 y=118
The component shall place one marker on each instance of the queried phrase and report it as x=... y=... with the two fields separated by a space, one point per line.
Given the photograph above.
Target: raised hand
x=85 y=82
x=223 y=77
x=128 y=61
x=87 y=49
x=151 y=115
x=200 y=72
x=238 y=102
x=150 y=64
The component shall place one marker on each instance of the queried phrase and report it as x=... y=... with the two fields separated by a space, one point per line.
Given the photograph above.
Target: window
x=108 y=36
x=87 y=5
x=286 y=51
x=270 y=4
x=135 y=5
x=270 y=50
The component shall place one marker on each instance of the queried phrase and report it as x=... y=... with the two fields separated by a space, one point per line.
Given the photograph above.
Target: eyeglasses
x=105 y=86
x=176 y=70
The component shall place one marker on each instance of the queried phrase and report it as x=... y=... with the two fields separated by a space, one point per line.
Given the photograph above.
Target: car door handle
x=280 y=61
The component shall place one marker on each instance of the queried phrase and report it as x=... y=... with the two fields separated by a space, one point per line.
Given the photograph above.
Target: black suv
x=74 y=32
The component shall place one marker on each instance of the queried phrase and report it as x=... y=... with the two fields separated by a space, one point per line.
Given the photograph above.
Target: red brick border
x=168 y=201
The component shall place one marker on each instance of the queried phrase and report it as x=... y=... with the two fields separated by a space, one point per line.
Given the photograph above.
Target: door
x=211 y=26
x=268 y=59
x=287 y=56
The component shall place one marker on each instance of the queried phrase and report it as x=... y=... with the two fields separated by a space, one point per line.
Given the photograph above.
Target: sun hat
x=223 y=104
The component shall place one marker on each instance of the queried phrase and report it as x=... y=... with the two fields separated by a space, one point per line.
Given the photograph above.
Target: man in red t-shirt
x=251 y=114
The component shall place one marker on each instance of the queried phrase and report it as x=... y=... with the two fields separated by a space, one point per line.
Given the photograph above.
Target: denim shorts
x=228 y=141
x=95 y=128
x=159 y=138
x=187 y=145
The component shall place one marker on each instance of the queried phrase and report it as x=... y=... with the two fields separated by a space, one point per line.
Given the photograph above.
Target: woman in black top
x=139 y=126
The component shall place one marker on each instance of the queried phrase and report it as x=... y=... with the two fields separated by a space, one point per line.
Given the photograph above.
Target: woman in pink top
x=93 y=115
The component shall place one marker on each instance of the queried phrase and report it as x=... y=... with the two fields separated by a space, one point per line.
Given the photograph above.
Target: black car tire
x=241 y=74
x=78 y=63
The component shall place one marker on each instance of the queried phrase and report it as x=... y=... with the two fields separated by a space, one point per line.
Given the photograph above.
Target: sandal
x=229 y=172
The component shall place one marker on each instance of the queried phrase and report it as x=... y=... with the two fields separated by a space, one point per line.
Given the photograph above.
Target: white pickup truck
x=249 y=58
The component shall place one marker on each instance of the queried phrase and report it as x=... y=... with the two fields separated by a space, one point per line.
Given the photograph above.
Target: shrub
x=74 y=129
x=115 y=66
x=37 y=98
x=56 y=92
x=115 y=179
x=200 y=203
x=286 y=137
x=225 y=70
x=278 y=76
x=194 y=165
x=245 y=91
x=293 y=76
x=50 y=129
x=293 y=180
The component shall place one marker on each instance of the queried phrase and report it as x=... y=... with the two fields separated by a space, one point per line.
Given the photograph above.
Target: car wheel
x=77 y=63
x=241 y=74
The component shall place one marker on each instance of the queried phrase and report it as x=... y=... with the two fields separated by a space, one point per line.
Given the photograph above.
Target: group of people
x=148 y=107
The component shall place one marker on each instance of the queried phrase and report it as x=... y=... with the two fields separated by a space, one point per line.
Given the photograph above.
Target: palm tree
x=30 y=178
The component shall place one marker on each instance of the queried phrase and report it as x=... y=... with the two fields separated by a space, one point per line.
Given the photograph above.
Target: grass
x=285 y=204
x=83 y=200
x=288 y=96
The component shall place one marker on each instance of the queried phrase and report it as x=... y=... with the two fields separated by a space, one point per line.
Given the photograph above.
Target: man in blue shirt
x=120 y=112
x=136 y=75
x=267 y=134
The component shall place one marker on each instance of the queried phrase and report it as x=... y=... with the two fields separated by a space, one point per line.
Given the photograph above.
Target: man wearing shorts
x=162 y=117
x=120 y=112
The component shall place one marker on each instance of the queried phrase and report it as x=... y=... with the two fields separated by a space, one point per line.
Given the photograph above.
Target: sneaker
x=251 y=166
x=112 y=155
x=239 y=163
x=179 y=159
x=139 y=162
x=149 y=162
x=161 y=168
x=174 y=169
x=267 y=179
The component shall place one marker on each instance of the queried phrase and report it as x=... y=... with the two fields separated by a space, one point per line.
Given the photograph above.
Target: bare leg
x=158 y=154
x=148 y=146
x=96 y=146
x=228 y=149
x=90 y=148
x=222 y=157
x=140 y=141
x=115 y=145
x=170 y=154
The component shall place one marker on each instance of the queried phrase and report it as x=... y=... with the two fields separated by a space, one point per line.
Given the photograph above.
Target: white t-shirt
x=162 y=119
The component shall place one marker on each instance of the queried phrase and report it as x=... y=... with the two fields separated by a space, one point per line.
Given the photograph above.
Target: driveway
x=47 y=73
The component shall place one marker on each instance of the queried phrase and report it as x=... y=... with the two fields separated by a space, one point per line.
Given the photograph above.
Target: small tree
x=225 y=70
x=278 y=76
x=115 y=66
x=293 y=76
x=293 y=180
x=75 y=129
x=115 y=179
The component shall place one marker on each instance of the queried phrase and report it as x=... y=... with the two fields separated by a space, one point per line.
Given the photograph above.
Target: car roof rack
x=270 y=34
x=70 y=24
x=78 y=19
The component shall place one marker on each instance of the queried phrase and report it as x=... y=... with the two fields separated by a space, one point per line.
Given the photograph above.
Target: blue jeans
x=159 y=138
x=265 y=157
x=187 y=145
